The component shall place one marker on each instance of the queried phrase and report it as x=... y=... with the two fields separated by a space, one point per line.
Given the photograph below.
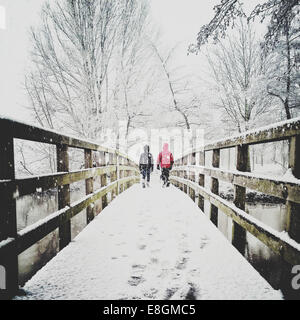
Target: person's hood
x=146 y=148
x=166 y=147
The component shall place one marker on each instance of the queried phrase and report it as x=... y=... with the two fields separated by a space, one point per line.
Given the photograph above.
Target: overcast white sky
x=180 y=20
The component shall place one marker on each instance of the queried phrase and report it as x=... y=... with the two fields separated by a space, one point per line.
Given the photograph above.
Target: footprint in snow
x=192 y=293
x=182 y=264
x=170 y=292
x=154 y=260
x=138 y=267
x=135 y=280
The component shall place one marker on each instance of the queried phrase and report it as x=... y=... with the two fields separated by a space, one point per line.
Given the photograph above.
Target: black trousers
x=145 y=171
x=165 y=172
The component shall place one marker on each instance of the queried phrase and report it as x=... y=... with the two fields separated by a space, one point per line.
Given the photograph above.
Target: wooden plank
x=293 y=209
x=278 y=188
x=103 y=180
x=63 y=195
x=8 y=216
x=276 y=241
x=25 y=186
x=280 y=131
x=29 y=185
x=292 y=221
x=215 y=187
x=238 y=232
x=118 y=161
x=201 y=180
x=89 y=185
x=29 y=132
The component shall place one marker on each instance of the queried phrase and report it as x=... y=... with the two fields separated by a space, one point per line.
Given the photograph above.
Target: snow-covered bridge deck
x=149 y=243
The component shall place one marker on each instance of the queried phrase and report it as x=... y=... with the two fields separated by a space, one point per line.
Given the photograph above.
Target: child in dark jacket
x=146 y=165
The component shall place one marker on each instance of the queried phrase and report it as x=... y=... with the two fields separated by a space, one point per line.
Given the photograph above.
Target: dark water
x=266 y=262
x=31 y=209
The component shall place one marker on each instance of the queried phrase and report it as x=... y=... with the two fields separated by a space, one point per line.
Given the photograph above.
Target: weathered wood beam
x=215 y=187
x=30 y=185
x=63 y=194
x=29 y=132
x=89 y=185
x=278 y=131
x=280 y=188
x=8 y=217
x=238 y=232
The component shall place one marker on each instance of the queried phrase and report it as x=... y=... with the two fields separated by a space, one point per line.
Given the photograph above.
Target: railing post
x=215 y=186
x=103 y=179
x=121 y=173
x=293 y=209
x=239 y=233
x=117 y=173
x=89 y=185
x=192 y=176
x=8 y=218
x=113 y=174
x=63 y=194
x=293 y=221
x=201 y=179
x=185 y=187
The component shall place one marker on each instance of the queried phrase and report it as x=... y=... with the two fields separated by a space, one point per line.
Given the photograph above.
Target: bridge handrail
x=189 y=176
x=26 y=131
x=277 y=187
x=123 y=172
x=282 y=130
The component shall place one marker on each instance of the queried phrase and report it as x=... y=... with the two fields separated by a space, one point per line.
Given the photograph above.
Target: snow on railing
x=121 y=170
x=189 y=174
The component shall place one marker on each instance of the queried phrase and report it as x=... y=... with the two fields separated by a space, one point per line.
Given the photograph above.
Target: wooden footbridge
x=117 y=173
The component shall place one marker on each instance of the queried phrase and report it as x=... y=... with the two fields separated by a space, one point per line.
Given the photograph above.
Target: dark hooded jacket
x=146 y=159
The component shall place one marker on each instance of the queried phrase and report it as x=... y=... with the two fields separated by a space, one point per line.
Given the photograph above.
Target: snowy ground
x=149 y=243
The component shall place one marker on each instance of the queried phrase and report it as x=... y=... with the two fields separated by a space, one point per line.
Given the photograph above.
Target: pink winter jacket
x=165 y=158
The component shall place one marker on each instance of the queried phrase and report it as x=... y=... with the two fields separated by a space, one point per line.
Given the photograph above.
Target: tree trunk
x=288 y=71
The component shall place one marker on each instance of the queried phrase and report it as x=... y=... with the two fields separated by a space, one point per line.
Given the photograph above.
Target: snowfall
x=151 y=243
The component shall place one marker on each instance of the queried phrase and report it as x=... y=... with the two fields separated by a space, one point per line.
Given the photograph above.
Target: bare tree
x=283 y=72
x=71 y=54
x=238 y=73
x=228 y=11
x=183 y=99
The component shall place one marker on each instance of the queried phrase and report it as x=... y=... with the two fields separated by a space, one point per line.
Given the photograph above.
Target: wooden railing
x=123 y=173
x=189 y=176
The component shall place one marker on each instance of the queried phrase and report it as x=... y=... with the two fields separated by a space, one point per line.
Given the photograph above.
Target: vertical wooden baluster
x=8 y=216
x=192 y=175
x=293 y=209
x=63 y=194
x=181 y=174
x=120 y=173
x=117 y=173
x=89 y=185
x=293 y=221
x=215 y=186
x=185 y=188
x=239 y=233
x=201 y=179
x=103 y=179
